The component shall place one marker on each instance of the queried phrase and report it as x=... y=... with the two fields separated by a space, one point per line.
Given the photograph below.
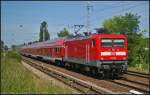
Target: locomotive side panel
x=81 y=52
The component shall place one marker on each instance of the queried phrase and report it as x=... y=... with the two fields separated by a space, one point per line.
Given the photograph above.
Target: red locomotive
x=97 y=53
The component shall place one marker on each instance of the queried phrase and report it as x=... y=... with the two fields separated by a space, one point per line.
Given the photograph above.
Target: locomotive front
x=112 y=53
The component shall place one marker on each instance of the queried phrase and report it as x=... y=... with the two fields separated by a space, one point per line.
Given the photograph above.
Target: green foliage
x=63 y=33
x=13 y=47
x=129 y=25
x=119 y=24
x=5 y=47
x=2 y=45
x=43 y=29
x=143 y=68
x=17 y=79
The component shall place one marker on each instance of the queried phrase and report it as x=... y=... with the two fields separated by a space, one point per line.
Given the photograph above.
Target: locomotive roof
x=97 y=35
x=110 y=36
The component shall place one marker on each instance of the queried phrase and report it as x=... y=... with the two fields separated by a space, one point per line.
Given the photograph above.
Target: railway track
x=89 y=85
x=80 y=85
x=144 y=75
x=135 y=80
x=130 y=84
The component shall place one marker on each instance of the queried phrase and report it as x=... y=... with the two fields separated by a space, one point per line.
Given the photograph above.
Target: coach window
x=49 y=54
x=55 y=49
x=59 y=49
x=93 y=43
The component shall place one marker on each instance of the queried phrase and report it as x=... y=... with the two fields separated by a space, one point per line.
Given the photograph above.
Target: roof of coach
x=54 y=42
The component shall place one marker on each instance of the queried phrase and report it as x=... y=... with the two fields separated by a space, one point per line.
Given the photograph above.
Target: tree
x=63 y=33
x=43 y=29
x=5 y=47
x=120 y=24
x=129 y=25
x=13 y=47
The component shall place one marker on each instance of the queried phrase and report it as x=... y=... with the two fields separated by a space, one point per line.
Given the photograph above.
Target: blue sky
x=60 y=14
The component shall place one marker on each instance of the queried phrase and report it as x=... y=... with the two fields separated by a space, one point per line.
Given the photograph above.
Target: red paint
x=77 y=48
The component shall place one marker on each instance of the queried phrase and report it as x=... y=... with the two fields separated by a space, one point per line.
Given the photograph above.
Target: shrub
x=14 y=54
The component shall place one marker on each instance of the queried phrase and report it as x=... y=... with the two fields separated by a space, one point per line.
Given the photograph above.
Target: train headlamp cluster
x=113 y=53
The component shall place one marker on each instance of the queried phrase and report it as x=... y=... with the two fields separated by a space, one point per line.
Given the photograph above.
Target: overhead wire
x=118 y=11
x=83 y=17
x=128 y=8
x=104 y=9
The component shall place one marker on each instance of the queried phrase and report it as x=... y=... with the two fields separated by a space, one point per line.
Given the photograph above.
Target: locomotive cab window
x=118 y=43
x=93 y=43
x=106 y=42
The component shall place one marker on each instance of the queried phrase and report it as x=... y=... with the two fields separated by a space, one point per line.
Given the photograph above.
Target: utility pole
x=88 y=16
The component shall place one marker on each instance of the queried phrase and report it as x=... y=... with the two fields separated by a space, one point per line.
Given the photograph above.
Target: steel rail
x=86 y=85
x=130 y=86
x=78 y=84
x=138 y=74
x=135 y=82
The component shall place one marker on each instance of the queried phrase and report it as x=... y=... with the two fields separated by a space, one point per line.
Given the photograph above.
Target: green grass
x=143 y=68
x=17 y=79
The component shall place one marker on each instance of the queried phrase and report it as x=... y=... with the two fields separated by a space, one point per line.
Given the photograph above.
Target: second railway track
x=144 y=75
x=86 y=84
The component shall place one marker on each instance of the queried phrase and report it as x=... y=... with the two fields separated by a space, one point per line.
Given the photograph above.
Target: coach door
x=66 y=52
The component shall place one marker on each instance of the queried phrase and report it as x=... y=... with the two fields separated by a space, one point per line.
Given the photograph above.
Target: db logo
x=113 y=53
x=113 y=58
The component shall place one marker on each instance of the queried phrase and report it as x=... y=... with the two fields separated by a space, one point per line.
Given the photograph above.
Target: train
x=100 y=54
